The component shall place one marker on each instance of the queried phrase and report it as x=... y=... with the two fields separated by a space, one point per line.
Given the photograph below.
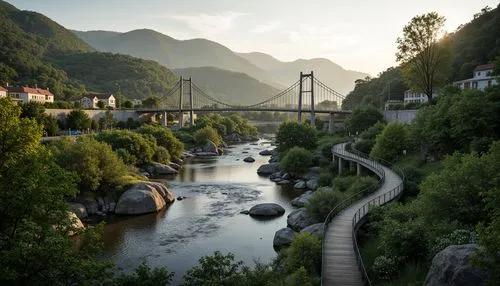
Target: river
x=209 y=219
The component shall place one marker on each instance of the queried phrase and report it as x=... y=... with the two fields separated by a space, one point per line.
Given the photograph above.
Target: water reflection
x=209 y=219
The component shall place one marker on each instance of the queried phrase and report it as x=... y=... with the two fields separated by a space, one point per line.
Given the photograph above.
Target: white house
x=91 y=100
x=481 y=78
x=416 y=97
x=27 y=94
x=3 y=92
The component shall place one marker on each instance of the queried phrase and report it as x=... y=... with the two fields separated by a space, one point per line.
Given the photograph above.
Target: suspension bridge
x=307 y=95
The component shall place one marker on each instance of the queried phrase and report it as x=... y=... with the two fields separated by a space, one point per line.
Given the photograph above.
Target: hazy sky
x=357 y=34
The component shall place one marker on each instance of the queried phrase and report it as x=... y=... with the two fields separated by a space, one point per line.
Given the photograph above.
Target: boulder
x=175 y=166
x=274 y=159
x=210 y=147
x=268 y=169
x=78 y=209
x=299 y=219
x=314 y=229
x=91 y=206
x=283 y=237
x=101 y=204
x=77 y=223
x=283 y=182
x=176 y=160
x=249 y=160
x=302 y=200
x=245 y=212
x=112 y=206
x=266 y=153
x=452 y=266
x=161 y=169
x=286 y=176
x=145 y=197
x=206 y=154
x=312 y=184
x=301 y=184
x=267 y=209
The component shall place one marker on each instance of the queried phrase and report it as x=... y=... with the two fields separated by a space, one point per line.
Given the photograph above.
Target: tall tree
x=424 y=57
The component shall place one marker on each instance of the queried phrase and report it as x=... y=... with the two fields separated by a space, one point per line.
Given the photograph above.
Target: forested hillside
x=474 y=43
x=234 y=87
x=36 y=50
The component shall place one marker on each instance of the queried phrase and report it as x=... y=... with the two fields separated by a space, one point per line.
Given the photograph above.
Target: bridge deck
x=168 y=109
x=339 y=259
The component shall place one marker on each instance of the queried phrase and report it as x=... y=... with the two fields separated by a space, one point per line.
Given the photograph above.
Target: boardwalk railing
x=360 y=214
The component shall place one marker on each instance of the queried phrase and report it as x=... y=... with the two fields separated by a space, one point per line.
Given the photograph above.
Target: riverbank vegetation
x=451 y=167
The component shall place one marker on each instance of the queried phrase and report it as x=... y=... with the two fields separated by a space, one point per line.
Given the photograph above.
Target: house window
x=474 y=85
x=488 y=73
x=489 y=83
x=467 y=85
x=478 y=73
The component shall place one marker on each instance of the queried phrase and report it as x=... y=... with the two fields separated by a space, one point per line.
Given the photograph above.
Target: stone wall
x=96 y=114
x=402 y=116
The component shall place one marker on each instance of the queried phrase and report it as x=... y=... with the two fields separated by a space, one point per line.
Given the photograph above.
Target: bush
x=206 y=133
x=305 y=251
x=145 y=276
x=362 y=118
x=342 y=184
x=459 y=236
x=161 y=155
x=78 y=120
x=142 y=147
x=293 y=134
x=126 y=157
x=322 y=202
x=366 y=185
x=297 y=160
x=217 y=269
x=96 y=165
x=325 y=179
x=164 y=138
x=389 y=144
x=385 y=267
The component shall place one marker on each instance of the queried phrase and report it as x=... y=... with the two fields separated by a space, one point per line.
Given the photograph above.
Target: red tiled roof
x=24 y=89
x=2 y=89
x=484 y=67
x=98 y=95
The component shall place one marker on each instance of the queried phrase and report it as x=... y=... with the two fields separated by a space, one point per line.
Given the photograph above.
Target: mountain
x=172 y=53
x=325 y=70
x=214 y=81
x=34 y=50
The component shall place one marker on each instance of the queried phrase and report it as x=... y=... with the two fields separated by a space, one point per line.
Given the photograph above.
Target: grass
x=414 y=160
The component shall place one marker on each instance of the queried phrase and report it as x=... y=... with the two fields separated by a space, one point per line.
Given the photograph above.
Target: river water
x=209 y=219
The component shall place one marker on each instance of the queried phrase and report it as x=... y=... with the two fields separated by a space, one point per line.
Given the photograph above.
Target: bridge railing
x=360 y=214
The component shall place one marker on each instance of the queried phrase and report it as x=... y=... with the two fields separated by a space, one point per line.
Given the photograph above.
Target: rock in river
x=452 y=266
x=283 y=237
x=302 y=200
x=78 y=209
x=267 y=209
x=314 y=229
x=249 y=160
x=268 y=169
x=266 y=153
x=145 y=197
x=299 y=219
x=300 y=185
x=161 y=169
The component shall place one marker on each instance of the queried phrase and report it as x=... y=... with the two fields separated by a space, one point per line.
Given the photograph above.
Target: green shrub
x=297 y=160
x=342 y=184
x=459 y=236
x=217 y=269
x=389 y=144
x=365 y=184
x=325 y=179
x=293 y=134
x=385 y=267
x=322 y=202
x=206 y=133
x=126 y=157
x=161 y=155
x=164 y=138
x=146 y=276
x=305 y=251
x=142 y=147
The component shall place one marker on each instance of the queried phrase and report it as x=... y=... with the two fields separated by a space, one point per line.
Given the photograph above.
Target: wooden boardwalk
x=340 y=265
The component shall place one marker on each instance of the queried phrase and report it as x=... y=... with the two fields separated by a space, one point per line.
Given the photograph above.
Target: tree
x=426 y=62
x=297 y=160
x=128 y=104
x=144 y=276
x=305 y=251
x=218 y=269
x=390 y=144
x=108 y=121
x=78 y=120
x=292 y=133
x=142 y=147
x=362 y=118
x=206 y=133
x=101 y=104
x=151 y=101
x=165 y=138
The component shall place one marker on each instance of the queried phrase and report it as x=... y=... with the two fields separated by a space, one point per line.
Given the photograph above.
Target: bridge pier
x=358 y=171
x=351 y=166
x=164 y=119
x=341 y=166
x=331 y=123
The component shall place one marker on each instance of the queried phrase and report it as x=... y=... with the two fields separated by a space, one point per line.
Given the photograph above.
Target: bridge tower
x=181 y=98
x=303 y=90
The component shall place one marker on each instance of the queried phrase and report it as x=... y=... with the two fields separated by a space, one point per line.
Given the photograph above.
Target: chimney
x=36 y=85
x=6 y=84
x=48 y=89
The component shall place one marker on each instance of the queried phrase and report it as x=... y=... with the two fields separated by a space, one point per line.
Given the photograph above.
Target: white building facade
x=27 y=94
x=482 y=78
x=91 y=100
x=416 y=97
x=3 y=92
